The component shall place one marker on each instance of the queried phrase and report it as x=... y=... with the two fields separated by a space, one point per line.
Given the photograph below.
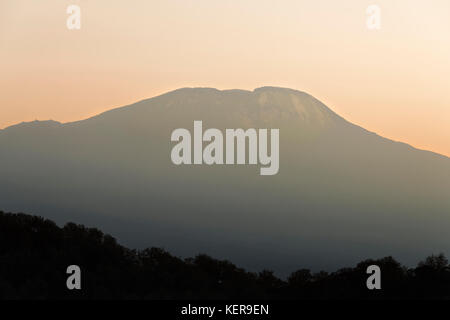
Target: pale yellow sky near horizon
x=394 y=81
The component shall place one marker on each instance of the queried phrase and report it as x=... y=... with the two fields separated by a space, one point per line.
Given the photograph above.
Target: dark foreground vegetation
x=35 y=253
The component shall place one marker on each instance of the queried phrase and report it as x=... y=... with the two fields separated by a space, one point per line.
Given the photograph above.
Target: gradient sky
x=394 y=81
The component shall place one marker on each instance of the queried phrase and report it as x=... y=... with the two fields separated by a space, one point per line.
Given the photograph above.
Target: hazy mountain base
x=342 y=193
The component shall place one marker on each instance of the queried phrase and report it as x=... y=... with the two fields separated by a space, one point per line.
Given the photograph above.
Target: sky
x=393 y=81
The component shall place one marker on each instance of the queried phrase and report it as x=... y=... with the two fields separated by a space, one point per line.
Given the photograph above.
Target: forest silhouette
x=35 y=253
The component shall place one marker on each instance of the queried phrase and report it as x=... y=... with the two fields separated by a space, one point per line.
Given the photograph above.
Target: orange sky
x=394 y=81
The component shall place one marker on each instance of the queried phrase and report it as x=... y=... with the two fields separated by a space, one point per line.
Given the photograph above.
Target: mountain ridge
x=50 y=123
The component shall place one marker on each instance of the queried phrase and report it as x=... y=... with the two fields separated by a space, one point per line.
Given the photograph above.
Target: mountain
x=342 y=193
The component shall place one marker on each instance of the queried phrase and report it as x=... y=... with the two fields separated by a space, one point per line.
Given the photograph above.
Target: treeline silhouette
x=35 y=253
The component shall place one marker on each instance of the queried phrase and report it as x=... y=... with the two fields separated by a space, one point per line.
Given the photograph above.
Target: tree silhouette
x=35 y=252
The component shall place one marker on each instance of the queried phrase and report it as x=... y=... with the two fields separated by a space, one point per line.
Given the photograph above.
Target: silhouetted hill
x=341 y=193
x=35 y=252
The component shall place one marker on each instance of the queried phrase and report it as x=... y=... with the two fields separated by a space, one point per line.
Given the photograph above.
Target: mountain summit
x=342 y=193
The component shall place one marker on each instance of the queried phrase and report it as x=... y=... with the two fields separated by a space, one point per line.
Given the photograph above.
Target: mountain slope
x=342 y=193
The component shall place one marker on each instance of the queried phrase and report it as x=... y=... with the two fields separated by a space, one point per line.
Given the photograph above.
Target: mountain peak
x=264 y=106
x=296 y=103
